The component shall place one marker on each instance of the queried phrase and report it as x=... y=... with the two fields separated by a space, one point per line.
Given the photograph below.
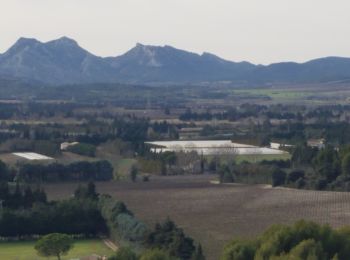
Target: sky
x=259 y=31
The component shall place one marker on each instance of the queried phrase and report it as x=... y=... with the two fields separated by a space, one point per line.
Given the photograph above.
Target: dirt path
x=110 y=244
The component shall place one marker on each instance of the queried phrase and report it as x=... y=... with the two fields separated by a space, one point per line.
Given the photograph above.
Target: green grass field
x=261 y=157
x=26 y=251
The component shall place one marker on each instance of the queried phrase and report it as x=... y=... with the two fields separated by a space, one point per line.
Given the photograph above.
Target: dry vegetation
x=213 y=214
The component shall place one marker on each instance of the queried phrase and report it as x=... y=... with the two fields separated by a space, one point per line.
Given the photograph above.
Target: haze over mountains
x=63 y=61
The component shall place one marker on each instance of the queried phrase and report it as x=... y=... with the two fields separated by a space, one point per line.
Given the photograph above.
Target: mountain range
x=63 y=61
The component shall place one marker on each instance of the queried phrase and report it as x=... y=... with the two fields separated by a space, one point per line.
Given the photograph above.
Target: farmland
x=226 y=211
x=26 y=251
x=227 y=126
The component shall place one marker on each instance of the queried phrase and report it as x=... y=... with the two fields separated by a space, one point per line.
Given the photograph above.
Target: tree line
x=76 y=171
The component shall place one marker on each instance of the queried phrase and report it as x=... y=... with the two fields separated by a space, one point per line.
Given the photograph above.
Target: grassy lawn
x=26 y=251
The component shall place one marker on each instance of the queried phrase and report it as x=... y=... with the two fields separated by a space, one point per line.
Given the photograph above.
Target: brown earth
x=213 y=214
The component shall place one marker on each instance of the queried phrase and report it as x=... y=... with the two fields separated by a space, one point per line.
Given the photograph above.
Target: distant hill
x=56 y=62
x=63 y=61
x=166 y=64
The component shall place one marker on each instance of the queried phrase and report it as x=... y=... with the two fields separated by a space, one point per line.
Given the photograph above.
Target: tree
x=133 y=173
x=327 y=163
x=302 y=155
x=91 y=191
x=346 y=165
x=88 y=192
x=225 y=174
x=4 y=172
x=54 y=244
x=198 y=254
x=278 y=177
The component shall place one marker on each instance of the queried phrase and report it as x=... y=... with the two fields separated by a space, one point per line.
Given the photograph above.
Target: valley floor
x=212 y=213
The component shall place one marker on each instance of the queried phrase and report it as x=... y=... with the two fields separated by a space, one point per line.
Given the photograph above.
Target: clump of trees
x=309 y=168
x=165 y=242
x=324 y=169
x=252 y=174
x=76 y=171
x=121 y=223
x=303 y=240
x=170 y=238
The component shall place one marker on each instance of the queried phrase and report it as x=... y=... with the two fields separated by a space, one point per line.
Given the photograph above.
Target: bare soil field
x=213 y=214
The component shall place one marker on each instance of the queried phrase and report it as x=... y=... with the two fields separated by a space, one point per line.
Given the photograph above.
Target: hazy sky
x=260 y=31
